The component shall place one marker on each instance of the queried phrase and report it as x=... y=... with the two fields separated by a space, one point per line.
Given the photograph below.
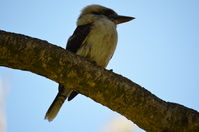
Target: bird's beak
x=121 y=19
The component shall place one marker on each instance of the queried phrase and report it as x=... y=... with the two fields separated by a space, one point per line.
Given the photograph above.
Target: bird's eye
x=96 y=13
x=109 y=13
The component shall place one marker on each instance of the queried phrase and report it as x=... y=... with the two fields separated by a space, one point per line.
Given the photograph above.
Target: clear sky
x=159 y=50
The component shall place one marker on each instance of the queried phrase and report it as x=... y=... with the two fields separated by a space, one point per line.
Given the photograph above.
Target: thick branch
x=112 y=90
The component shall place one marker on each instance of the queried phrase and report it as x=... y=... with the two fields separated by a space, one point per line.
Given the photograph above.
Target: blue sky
x=159 y=50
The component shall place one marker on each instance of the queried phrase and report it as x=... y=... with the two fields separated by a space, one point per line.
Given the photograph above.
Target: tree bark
x=109 y=89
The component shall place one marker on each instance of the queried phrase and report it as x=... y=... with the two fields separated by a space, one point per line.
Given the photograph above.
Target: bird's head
x=92 y=13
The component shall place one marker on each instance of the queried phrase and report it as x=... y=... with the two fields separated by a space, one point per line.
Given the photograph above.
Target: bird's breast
x=100 y=43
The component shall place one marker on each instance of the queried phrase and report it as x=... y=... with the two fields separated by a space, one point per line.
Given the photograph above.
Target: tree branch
x=110 y=89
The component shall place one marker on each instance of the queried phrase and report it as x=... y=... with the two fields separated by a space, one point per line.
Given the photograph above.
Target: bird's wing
x=75 y=42
x=78 y=37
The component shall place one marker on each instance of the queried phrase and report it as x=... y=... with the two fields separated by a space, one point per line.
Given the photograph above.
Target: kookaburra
x=94 y=38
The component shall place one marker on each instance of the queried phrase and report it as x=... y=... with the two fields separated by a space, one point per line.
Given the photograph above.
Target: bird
x=94 y=38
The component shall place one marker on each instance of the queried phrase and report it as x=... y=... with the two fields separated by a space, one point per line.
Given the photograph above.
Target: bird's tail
x=57 y=103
